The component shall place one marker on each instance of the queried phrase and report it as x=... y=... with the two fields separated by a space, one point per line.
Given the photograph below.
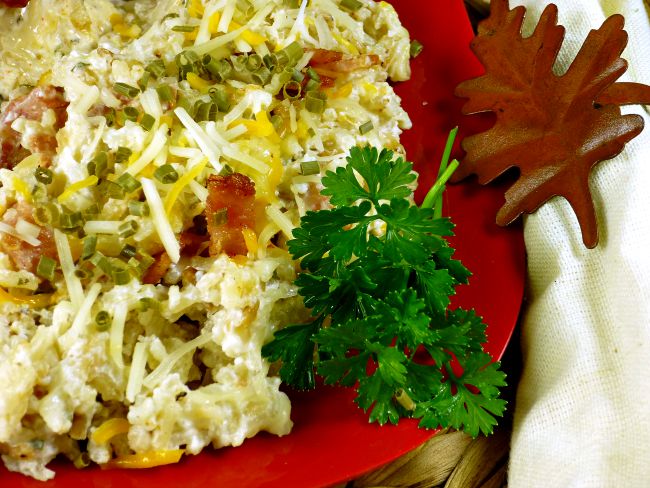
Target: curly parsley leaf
x=379 y=274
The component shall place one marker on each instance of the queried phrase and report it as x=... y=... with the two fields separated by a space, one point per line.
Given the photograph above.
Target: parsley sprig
x=378 y=276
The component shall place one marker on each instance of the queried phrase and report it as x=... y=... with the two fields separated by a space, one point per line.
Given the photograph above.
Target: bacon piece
x=235 y=193
x=25 y=256
x=31 y=106
x=190 y=244
x=342 y=65
x=324 y=56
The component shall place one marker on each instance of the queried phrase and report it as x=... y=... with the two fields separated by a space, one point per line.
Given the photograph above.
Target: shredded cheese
x=137 y=371
x=9 y=230
x=157 y=144
x=281 y=220
x=120 y=312
x=181 y=183
x=198 y=134
x=75 y=187
x=82 y=318
x=109 y=429
x=160 y=221
x=168 y=362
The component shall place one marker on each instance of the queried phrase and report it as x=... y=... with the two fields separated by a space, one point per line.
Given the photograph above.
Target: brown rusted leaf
x=553 y=128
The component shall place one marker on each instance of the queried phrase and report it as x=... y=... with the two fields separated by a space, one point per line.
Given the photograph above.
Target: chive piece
x=43 y=175
x=292 y=90
x=310 y=168
x=366 y=127
x=156 y=68
x=100 y=261
x=46 y=214
x=89 y=246
x=169 y=16
x=206 y=111
x=122 y=154
x=270 y=61
x=121 y=276
x=352 y=5
x=226 y=170
x=110 y=117
x=220 y=98
x=83 y=274
x=128 y=228
x=126 y=90
x=139 y=209
x=146 y=303
x=91 y=210
x=298 y=76
x=98 y=165
x=416 y=48
x=165 y=93
x=39 y=192
x=37 y=443
x=277 y=122
x=312 y=85
x=184 y=28
x=145 y=261
x=311 y=72
x=220 y=217
x=111 y=190
x=253 y=62
x=128 y=182
x=144 y=80
x=314 y=105
x=70 y=220
x=128 y=251
x=187 y=104
x=80 y=65
x=102 y=320
x=131 y=113
x=290 y=54
x=238 y=63
x=262 y=76
x=220 y=69
x=292 y=3
x=147 y=121
x=166 y=174
x=46 y=267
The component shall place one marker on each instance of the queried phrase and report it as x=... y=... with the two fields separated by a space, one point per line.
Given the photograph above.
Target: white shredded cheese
x=160 y=221
x=9 y=230
x=157 y=144
x=137 y=371
x=195 y=131
x=75 y=290
x=281 y=220
x=117 y=332
x=168 y=362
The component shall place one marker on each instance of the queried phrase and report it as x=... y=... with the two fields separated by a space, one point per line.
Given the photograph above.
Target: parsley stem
x=439 y=186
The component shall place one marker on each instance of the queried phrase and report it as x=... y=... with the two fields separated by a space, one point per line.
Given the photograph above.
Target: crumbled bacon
x=333 y=63
x=236 y=194
x=190 y=243
x=15 y=3
x=25 y=256
x=31 y=106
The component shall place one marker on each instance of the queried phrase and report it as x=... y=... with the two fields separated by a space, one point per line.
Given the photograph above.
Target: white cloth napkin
x=582 y=414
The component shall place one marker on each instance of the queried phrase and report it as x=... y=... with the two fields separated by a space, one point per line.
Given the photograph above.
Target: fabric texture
x=582 y=413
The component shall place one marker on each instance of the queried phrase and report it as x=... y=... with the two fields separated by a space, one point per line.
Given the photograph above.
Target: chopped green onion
x=91 y=210
x=366 y=127
x=147 y=121
x=262 y=76
x=111 y=190
x=128 y=182
x=46 y=214
x=80 y=65
x=292 y=3
x=165 y=93
x=98 y=165
x=353 y=5
x=270 y=61
x=220 y=98
x=37 y=443
x=126 y=90
x=145 y=261
x=206 y=111
x=220 y=217
x=166 y=174
x=100 y=261
x=310 y=168
x=102 y=320
x=311 y=72
x=290 y=54
x=144 y=80
x=70 y=220
x=221 y=69
x=46 y=267
x=146 y=303
x=187 y=104
x=169 y=16
x=131 y=113
x=83 y=274
x=277 y=122
x=89 y=246
x=39 y=192
x=128 y=251
x=122 y=154
x=292 y=90
x=314 y=105
x=253 y=62
x=43 y=175
x=139 y=209
x=121 y=275
x=416 y=48
x=226 y=170
x=298 y=76
x=156 y=68
x=312 y=85
x=238 y=63
x=128 y=228
x=110 y=117
x=184 y=28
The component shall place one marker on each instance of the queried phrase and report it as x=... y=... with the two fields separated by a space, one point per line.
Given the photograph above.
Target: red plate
x=332 y=441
